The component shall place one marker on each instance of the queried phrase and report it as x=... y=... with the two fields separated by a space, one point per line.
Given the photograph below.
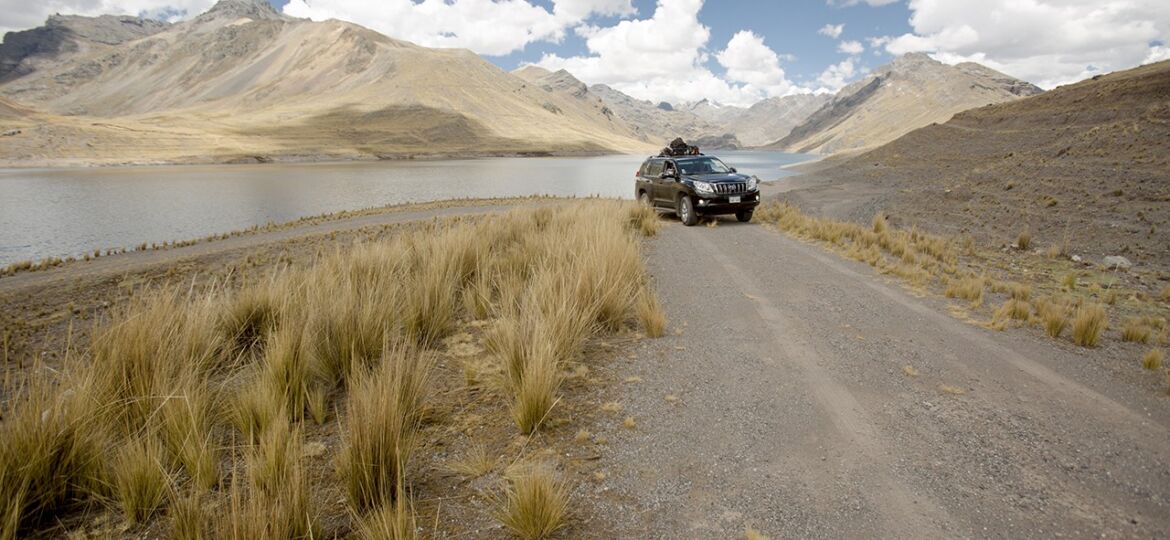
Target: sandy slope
x=242 y=80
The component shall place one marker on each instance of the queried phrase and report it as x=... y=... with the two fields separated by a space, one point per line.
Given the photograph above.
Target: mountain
x=911 y=92
x=712 y=111
x=654 y=122
x=773 y=118
x=243 y=81
x=1084 y=166
x=66 y=37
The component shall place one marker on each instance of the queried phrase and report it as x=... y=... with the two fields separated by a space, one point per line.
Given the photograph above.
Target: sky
x=731 y=51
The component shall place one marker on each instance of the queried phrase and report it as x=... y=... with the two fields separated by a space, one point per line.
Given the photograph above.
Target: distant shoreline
x=262 y=159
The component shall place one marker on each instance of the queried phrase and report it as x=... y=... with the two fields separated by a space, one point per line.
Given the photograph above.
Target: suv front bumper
x=721 y=204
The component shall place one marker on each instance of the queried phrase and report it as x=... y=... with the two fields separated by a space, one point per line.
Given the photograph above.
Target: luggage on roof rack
x=679 y=147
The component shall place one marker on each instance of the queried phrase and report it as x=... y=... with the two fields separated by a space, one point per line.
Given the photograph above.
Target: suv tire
x=744 y=216
x=644 y=199
x=686 y=211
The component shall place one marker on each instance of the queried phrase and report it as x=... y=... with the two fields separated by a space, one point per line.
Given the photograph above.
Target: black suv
x=693 y=185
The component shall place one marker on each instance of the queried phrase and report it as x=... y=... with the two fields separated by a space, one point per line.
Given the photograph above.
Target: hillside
x=1085 y=165
x=911 y=92
x=245 y=82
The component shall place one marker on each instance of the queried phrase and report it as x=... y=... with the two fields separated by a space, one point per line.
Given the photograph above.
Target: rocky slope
x=242 y=81
x=1086 y=166
x=911 y=92
x=64 y=38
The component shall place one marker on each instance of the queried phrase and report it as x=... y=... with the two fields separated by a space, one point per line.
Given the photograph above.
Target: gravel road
x=806 y=396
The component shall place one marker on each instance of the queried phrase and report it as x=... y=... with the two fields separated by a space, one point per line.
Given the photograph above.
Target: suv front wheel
x=686 y=211
x=744 y=216
x=644 y=199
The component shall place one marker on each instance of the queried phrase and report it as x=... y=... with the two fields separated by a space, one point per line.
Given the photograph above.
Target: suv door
x=654 y=174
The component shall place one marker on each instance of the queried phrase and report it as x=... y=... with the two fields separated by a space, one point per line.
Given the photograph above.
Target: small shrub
x=1069 y=281
x=1088 y=324
x=880 y=225
x=1153 y=359
x=535 y=503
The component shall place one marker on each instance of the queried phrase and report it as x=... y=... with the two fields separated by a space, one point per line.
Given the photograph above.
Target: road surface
x=796 y=413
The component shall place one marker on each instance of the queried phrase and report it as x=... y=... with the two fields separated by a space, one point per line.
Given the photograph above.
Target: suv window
x=654 y=168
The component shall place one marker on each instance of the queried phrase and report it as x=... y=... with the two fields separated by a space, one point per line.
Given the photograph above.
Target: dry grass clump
x=1152 y=360
x=50 y=458
x=477 y=462
x=384 y=409
x=1088 y=324
x=1053 y=315
x=970 y=289
x=651 y=315
x=535 y=503
x=1024 y=240
x=644 y=219
x=274 y=501
x=395 y=521
x=1069 y=281
x=140 y=478
x=1135 y=329
x=1014 y=309
x=752 y=534
x=1165 y=294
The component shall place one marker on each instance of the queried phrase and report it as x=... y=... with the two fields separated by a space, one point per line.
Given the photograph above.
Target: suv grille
x=730 y=187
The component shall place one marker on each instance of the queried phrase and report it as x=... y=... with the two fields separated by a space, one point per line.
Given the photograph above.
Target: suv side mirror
x=671 y=175
x=733 y=170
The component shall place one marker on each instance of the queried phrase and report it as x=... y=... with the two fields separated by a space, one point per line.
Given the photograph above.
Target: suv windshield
x=702 y=166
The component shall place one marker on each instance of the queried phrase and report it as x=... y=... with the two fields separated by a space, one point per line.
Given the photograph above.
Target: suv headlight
x=753 y=183
x=703 y=187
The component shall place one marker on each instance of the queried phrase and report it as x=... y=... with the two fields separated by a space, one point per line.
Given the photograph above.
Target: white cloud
x=850 y=47
x=1047 y=42
x=836 y=76
x=663 y=57
x=493 y=27
x=874 y=3
x=832 y=30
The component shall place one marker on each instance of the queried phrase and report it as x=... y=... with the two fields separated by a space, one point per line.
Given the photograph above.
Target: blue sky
x=731 y=51
x=789 y=28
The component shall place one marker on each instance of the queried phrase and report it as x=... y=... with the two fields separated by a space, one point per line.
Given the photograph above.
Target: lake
x=70 y=212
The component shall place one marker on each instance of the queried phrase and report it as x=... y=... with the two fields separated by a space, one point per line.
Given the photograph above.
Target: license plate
x=733 y=200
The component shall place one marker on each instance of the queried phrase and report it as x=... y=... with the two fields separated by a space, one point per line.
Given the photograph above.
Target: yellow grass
x=1088 y=325
x=1165 y=294
x=141 y=480
x=1024 y=240
x=970 y=289
x=752 y=534
x=1152 y=360
x=1053 y=315
x=186 y=390
x=535 y=503
x=383 y=413
x=1136 y=330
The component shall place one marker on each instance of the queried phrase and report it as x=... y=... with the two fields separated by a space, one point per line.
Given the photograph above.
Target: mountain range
x=243 y=82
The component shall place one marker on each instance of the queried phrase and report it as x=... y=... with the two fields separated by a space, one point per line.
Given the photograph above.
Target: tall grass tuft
x=1088 y=325
x=396 y=521
x=1152 y=360
x=970 y=288
x=1135 y=329
x=384 y=409
x=50 y=456
x=644 y=220
x=140 y=476
x=1054 y=315
x=535 y=503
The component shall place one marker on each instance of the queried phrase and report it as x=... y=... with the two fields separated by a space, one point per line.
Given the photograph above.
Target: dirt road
x=808 y=397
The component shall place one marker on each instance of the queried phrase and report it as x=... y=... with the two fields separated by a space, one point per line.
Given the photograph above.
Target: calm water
x=63 y=212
